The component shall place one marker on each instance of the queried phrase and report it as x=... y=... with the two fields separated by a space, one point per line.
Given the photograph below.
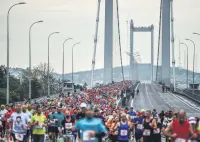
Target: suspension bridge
x=150 y=91
x=165 y=40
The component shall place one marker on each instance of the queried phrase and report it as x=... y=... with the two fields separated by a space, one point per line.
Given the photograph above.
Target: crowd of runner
x=94 y=115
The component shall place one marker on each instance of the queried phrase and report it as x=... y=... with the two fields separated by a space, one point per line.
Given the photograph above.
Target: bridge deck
x=151 y=97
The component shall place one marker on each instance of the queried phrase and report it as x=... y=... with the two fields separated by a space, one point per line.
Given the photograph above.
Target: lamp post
x=48 y=61
x=63 y=63
x=187 y=62
x=73 y=66
x=30 y=56
x=8 y=50
x=196 y=55
x=193 y=61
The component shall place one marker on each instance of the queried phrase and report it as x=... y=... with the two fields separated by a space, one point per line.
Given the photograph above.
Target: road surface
x=151 y=96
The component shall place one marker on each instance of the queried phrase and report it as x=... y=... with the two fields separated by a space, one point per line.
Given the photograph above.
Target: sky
x=77 y=19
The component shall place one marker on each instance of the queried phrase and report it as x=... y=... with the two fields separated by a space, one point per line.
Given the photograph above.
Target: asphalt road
x=151 y=96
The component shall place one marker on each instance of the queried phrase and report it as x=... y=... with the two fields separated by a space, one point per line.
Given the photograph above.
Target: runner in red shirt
x=180 y=128
x=8 y=114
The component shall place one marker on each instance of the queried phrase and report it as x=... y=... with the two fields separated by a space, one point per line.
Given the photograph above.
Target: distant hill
x=144 y=73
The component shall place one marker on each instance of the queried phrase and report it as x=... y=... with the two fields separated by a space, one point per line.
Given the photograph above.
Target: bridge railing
x=190 y=95
x=185 y=93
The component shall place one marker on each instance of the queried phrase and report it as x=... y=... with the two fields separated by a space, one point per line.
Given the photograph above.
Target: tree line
x=19 y=86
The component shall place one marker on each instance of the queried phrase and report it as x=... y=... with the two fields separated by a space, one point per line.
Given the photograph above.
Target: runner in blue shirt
x=138 y=123
x=132 y=113
x=91 y=129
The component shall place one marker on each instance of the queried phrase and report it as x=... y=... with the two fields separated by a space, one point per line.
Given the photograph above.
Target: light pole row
x=30 y=63
x=48 y=62
x=73 y=66
x=8 y=51
x=63 y=63
x=30 y=74
x=193 y=75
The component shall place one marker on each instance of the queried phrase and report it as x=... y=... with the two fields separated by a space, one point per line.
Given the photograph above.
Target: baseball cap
x=83 y=105
x=192 y=120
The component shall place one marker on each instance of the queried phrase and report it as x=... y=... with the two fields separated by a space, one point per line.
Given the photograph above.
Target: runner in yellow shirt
x=38 y=122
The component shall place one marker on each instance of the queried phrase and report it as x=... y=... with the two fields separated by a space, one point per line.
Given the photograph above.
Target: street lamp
x=8 y=50
x=30 y=56
x=63 y=67
x=73 y=66
x=193 y=61
x=187 y=62
x=48 y=61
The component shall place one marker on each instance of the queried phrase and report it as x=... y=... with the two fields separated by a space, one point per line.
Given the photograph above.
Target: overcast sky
x=77 y=19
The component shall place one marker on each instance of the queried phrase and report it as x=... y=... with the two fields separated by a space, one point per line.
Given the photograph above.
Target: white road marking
x=132 y=101
x=118 y=102
x=146 y=88
x=148 y=96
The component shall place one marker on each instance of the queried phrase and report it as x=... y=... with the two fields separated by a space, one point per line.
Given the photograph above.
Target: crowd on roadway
x=94 y=115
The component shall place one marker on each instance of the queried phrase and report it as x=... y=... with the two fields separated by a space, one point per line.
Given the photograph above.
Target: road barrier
x=188 y=94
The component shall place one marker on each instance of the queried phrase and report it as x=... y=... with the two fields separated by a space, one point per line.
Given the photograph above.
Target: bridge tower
x=108 y=42
x=132 y=69
x=165 y=54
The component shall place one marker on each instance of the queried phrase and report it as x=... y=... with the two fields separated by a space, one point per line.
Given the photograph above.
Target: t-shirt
x=132 y=113
x=60 y=117
x=51 y=120
x=86 y=125
x=67 y=125
x=28 y=116
x=139 y=126
x=18 y=127
x=15 y=115
x=38 y=129
x=3 y=112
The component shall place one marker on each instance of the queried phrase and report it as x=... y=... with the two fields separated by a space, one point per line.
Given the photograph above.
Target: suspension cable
x=158 y=54
x=117 y=4
x=95 y=42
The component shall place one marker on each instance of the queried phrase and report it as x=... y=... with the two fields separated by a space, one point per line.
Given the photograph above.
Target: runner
x=154 y=113
x=3 y=119
x=58 y=118
x=181 y=128
x=113 y=132
x=194 y=126
x=28 y=117
x=18 y=123
x=167 y=120
x=92 y=129
x=81 y=114
x=157 y=130
x=7 y=117
x=19 y=130
x=52 y=129
x=148 y=125
x=123 y=129
x=39 y=123
x=132 y=113
x=67 y=125
x=138 y=123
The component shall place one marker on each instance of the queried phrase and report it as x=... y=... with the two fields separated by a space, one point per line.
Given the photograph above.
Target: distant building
x=67 y=87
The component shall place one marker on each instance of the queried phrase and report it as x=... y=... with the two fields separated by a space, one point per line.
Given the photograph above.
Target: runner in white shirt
x=19 y=126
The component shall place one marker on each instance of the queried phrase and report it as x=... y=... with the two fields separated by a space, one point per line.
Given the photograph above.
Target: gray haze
x=76 y=18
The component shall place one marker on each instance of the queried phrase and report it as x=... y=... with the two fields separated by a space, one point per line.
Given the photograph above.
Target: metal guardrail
x=189 y=95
